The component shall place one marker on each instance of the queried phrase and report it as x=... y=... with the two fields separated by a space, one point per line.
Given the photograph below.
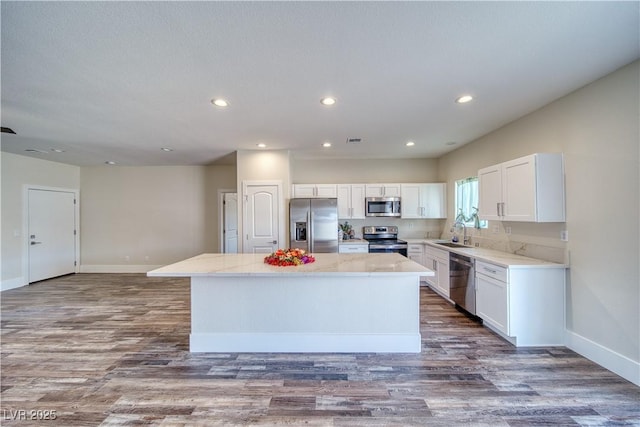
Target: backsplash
x=527 y=239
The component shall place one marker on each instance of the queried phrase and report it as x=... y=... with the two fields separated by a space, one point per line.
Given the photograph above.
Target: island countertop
x=331 y=264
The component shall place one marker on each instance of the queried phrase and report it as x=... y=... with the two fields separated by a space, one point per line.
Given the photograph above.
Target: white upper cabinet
x=382 y=190
x=530 y=188
x=315 y=190
x=423 y=200
x=351 y=201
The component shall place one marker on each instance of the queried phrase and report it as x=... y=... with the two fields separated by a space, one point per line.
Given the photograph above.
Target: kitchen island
x=339 y=303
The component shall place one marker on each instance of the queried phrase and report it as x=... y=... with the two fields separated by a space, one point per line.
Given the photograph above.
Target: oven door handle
x=388 y=246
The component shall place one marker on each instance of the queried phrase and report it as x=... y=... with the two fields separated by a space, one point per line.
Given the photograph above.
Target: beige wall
x=18 y=171
x=218 y=178
x=354 y=171
x=134 y=217
x=597 y=129
x=259 y=165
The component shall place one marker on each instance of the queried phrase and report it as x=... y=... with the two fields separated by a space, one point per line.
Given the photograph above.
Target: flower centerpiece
x=286 y=257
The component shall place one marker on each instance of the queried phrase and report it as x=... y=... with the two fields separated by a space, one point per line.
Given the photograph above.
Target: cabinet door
x=430 y=262
x=492 y=302
x=417 y=257
x=304 y=190
x=433 y=199
x=357 y=201
x=411 y=200
x=374 y=190
x=344 y=201
x=392 y=190
x=490 y=192
x=519 y=189
x=326 y=190
x=443 y=276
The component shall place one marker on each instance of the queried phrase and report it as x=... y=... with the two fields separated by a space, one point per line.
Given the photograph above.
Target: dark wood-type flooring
x=112 y=349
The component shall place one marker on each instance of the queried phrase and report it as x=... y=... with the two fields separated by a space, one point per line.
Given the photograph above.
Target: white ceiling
x=119 y=80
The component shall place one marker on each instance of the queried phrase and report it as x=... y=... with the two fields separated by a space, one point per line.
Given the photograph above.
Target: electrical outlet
x=126 y=258
x=495 y=229
x=507 y=230
x=564 y=235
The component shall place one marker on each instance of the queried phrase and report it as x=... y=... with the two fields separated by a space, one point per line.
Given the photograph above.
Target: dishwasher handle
x=461 y=260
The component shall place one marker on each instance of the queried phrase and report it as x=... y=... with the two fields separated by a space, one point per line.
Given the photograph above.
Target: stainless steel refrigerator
x=314 y=224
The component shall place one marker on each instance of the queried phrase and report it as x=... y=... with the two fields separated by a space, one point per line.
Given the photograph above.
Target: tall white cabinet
x=529 y=188
x=351 y=201
x=426 y=200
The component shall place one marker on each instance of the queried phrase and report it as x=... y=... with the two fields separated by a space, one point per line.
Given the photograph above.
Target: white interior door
x=51 y=228
x=230 y=227
x=262 y=215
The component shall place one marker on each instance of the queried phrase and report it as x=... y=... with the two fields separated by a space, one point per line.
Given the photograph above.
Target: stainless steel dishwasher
x=462 y=281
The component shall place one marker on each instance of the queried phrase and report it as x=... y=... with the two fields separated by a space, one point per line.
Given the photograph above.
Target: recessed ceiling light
x=451 y=143
x=219 y=102
x=109 y=162
x=166 y=149
x=464 y=99
x=262 y=145
x=326 y=144
x=328 y=101
x=57 y=150
x=33 y=150
x=410 y=144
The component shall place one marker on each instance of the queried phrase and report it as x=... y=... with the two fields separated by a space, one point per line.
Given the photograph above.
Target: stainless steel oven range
x=384 y=239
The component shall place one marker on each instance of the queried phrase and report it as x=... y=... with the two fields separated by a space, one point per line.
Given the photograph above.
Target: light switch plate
x=564 y=235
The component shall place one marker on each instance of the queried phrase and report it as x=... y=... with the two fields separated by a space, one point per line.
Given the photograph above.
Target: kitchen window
x=467 y=203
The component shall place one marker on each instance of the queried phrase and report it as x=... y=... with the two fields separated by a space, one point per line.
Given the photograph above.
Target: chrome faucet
x=466 y=240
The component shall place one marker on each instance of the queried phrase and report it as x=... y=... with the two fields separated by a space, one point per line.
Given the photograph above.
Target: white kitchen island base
x=341 y=303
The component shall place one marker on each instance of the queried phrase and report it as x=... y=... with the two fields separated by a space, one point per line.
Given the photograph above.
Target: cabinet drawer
x=415 y=249
x=353 y=249
x=495 y=271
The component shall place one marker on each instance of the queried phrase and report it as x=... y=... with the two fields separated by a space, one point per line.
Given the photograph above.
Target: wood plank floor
x=112 y=349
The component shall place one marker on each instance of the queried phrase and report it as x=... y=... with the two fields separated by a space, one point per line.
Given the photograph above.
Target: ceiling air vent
x=354 y=140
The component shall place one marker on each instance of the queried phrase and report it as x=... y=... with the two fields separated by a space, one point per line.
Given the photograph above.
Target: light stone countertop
x=353 y=242
x=333 y=264
x=504 y=259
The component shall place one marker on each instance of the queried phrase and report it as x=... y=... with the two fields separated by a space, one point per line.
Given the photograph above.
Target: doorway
x=263 y=216
x=229 y=223
x=52 y=237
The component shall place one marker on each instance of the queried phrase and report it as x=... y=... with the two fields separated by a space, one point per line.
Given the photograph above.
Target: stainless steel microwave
x=382 y=206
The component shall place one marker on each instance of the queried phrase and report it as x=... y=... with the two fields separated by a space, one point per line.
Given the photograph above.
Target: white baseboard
x=16 y=282
x=303 y=343
x=127 y=268
x=607 y=358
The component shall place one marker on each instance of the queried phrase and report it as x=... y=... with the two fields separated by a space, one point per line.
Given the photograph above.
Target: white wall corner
x=617 y=363
x=16 y=282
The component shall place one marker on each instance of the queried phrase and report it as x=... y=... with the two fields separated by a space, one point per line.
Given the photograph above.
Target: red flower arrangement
x=286 y=257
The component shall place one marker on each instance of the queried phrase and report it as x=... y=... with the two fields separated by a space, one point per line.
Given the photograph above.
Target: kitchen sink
x=452 y=245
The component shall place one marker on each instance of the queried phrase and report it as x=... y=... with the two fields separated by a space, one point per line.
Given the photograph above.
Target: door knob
x=275 y=242
x=35 y=243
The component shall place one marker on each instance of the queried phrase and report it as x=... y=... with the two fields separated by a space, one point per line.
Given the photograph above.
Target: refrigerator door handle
x=310 y=236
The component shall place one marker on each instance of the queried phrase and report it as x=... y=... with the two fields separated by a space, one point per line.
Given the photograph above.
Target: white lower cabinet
x=526 y=306
x=438 y=261
x=415 y=252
